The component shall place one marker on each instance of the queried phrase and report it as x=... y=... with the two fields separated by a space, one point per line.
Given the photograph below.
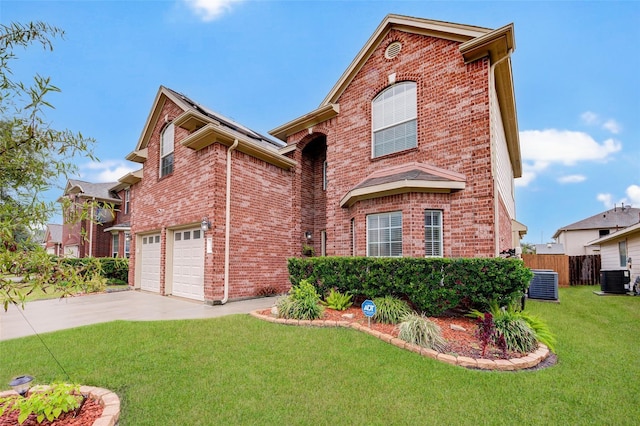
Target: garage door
x=188 y=264
x=150 y=254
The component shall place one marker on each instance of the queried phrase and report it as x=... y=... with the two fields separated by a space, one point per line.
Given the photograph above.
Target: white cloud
x=543 y=148
x=209 y=10
x=593 y=119
x=606 y=199
x=613 y=126
x=633 y=194
x=105 y=171
x=589 y=117
x=572 y=179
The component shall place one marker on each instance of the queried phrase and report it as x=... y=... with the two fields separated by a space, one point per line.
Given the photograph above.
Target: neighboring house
x=578 y=238
x=549 y=248
x=85 y=237
x=53 y=239
x=120 y=229
x=412 y=153
x=621 y=250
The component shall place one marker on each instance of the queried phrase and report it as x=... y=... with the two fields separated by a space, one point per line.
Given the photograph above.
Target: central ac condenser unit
x=544 y=285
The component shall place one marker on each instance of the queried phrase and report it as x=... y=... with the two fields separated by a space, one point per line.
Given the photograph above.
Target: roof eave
x=399 y=187
x=212 y=133
x=307 y=121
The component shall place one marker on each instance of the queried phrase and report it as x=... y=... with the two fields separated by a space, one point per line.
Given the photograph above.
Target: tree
x=33 y=156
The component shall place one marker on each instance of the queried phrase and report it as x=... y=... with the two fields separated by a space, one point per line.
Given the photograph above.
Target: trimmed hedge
x=112 y=267
x=432 y=285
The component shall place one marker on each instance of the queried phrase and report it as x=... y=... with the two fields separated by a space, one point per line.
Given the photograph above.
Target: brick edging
x=109 y=400
x=527 y=361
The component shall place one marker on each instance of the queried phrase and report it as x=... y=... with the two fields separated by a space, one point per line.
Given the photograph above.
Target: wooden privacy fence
x=572 y=270
x=584 y=270
x=555 y=262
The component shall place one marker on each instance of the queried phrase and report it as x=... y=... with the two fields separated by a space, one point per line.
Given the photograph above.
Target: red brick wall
x=261 y=223
x=453 y=134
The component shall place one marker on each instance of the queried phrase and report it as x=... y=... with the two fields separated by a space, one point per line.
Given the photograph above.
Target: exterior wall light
x=21 y=384
x=205 y=225
x=308 y=235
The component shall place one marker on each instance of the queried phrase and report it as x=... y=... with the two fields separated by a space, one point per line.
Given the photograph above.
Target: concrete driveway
x=53 y=315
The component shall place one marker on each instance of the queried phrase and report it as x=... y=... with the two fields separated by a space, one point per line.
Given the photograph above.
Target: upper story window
x=394 y=113
x=166 y=150
x=127 y=201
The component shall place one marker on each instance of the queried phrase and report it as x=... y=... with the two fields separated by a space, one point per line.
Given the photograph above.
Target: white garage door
x=150 y=252
x=188 y=264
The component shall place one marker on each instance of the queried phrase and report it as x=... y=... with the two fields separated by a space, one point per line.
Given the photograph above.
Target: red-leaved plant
x=486 y=331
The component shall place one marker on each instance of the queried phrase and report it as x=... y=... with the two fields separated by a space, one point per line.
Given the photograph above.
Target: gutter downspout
x=93 y=205
x=227 y=231
x=496 y=204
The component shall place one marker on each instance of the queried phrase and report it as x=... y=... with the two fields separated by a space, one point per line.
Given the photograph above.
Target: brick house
x=87 y=238
x=412 y=153
x=415 y=149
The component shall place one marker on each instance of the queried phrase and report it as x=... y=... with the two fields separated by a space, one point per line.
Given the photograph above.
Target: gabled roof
x=55 y=233
x=623 y=233
x=618 y=217
x=475 y=43
x=411 y=177
x=99 y=191
x=128 y=180
x=207 y=127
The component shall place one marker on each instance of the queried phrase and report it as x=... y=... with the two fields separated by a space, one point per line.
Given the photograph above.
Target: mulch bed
x=91 y=410
x=459 y=342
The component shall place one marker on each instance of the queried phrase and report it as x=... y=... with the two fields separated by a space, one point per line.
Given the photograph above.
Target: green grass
x=240 y=370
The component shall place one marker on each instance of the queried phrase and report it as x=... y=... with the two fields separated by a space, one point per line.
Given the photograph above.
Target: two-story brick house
x=108 y=233
x=415 y=149
x=412 y=153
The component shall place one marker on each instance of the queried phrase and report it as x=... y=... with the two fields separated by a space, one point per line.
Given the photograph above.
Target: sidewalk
x=56 y=314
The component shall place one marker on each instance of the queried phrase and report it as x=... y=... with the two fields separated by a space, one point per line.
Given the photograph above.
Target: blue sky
x=264 y=63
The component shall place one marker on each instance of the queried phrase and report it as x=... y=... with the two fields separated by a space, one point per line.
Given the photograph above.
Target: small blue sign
x=368 y=308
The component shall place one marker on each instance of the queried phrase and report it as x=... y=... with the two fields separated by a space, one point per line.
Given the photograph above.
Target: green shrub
x=338 y=301
x=302 y=302
x=421 y=331
x=432 y=285
x=390 y=310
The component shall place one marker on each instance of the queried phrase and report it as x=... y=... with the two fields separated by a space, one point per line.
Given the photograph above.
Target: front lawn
x=240 y=370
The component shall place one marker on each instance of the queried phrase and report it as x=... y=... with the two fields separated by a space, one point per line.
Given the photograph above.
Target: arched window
x=166 y=150
x=394 y=114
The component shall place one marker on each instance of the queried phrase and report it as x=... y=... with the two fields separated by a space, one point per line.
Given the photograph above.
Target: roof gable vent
x=393 y=50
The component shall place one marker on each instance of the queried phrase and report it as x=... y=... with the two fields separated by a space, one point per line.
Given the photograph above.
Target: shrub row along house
x=413 y=152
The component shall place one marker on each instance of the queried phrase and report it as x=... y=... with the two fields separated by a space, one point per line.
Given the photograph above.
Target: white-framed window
x=384 y=234
x=127 y=245
x=393 y=117
x=622 y=250
x=433 y=233
x=115 y=242
x=127 y=201
x=166 y=150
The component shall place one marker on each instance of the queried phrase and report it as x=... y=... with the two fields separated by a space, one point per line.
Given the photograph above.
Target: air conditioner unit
x=615 y=281
x=544 y=285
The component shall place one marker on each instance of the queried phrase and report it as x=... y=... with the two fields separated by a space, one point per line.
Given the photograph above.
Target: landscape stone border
x=528 y=361
x=108 y=399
